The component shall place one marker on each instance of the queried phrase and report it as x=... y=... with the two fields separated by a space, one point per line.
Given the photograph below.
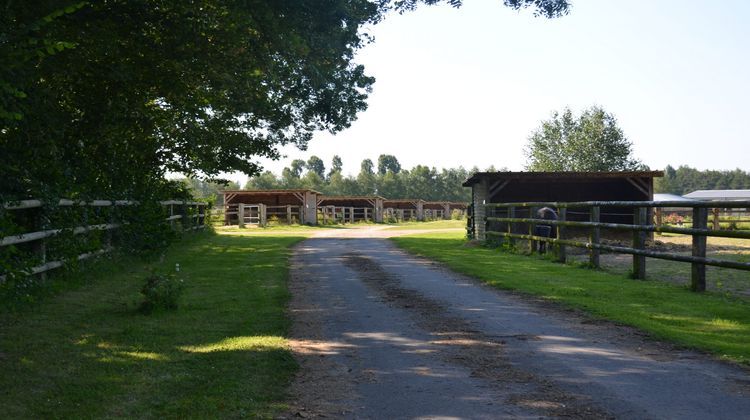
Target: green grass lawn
x=712 y=322
x=88 y=352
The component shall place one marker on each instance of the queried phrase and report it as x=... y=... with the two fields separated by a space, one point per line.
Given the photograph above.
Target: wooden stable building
x=350 y=209
x=258 y=207
x=405 y=209
x=433 y=210
x=519 y=187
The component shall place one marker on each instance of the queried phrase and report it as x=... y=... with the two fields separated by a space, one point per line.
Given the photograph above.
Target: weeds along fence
x=639 y=212
x=34 y=245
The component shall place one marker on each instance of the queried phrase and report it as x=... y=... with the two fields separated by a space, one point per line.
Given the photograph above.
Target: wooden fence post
x=639 y=242
x=561 y=251
x=171 y=213
x=594 y=237
x=511 y=215
x=241 y=215
x=698 y=272
x=288 y=214
x=532 y=243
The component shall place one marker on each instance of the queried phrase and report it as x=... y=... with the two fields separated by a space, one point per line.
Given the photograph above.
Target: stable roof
x=269 y=192
x=568 y=176
x=670 y=197
x=719 y=195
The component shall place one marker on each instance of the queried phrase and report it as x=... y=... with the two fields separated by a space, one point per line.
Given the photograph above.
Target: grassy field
x=711 y=322
x=723 y=280
x=436 y=224
x=88 y=352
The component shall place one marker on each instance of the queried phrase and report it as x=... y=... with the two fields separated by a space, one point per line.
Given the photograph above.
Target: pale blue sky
x=451 y=82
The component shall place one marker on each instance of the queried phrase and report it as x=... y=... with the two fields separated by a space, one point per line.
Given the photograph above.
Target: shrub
x=161 y=292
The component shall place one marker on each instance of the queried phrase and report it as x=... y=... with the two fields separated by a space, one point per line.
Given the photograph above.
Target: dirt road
x=381 y=334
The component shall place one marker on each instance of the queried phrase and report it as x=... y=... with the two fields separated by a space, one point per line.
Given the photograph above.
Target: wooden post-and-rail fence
x=178 y=211
x=640 y=227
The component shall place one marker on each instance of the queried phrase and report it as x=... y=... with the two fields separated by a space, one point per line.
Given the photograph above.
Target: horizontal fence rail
x=639 y=228
x=182 y=214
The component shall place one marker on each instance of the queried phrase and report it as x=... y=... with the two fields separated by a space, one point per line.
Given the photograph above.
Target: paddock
x=258 y=207
x=350 y=209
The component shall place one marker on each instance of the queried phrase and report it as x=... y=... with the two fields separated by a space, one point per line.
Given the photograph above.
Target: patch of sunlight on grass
x=725 y=324
x=244 y=343
x=145 y=355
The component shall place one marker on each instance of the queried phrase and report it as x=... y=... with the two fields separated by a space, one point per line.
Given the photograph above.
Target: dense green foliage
x=709 y=321
x=685 y=179
x=88 y=352
x=391 y=181
x=103 y=98
x=591 y=141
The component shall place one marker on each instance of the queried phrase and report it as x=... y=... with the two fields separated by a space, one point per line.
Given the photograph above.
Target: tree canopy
x=591 y=141
x=419 y=182
x=685 y=179
x=104 y=98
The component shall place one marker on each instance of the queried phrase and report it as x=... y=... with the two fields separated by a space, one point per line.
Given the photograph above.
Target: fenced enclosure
x=343 y=214
x=515 y=218
x=719 y=218
x=242 y=214
x=102 y=217
x=399 y=215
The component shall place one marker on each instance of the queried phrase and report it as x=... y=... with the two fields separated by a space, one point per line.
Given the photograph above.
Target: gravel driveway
x=382 y=334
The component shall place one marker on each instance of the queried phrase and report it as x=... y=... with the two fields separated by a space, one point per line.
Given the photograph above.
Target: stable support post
x=289 y=214
x=659 y=218
x=351 y=214
x=698 y=272
x=241 y=215
x=594 y=237
x=639 y=242
x=561 y=251
x=715 y=213
x=262 y=211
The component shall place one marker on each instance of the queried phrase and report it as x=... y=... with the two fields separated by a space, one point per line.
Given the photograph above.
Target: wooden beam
x=640 y=186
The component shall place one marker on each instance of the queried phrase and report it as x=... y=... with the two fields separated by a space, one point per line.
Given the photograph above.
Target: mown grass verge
x=89 y=353
x=711 y=322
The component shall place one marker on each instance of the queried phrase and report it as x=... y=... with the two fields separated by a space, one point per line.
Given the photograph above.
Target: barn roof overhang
x=559 y=176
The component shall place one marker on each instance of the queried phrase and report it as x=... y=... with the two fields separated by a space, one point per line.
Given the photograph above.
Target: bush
x=161 y=292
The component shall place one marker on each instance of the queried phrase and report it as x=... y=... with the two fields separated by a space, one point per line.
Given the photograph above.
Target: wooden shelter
x=518 y=187
x=350 y=208
x=441 y=209
x=404 y=209
x=258 y=206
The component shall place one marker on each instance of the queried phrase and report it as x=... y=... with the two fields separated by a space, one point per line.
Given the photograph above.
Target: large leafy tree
x=104 y=97
x=591 y=141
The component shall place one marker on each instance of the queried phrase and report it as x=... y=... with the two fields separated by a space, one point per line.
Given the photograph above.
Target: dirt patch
x=460 y=343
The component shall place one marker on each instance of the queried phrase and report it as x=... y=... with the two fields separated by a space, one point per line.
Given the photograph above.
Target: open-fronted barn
x=441 y=209
x=519 y=187
x=403 y=209
x=350 y=208
x=258 y=206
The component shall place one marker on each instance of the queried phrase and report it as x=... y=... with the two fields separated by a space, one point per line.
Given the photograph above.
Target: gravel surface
x=382 y=334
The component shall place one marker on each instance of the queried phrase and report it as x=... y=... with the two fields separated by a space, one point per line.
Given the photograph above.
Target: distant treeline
x=685 y=179
x=387 y=179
